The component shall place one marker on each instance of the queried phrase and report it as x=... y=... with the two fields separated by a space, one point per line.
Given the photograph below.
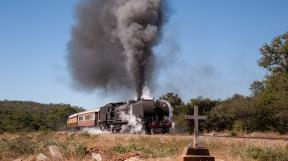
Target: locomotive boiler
x=149 y=116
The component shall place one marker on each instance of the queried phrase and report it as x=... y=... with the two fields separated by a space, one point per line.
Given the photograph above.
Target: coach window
x=88 y=117
x=80 y=118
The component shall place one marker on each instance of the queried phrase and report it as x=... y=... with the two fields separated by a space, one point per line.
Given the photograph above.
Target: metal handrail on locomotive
x=153 y=114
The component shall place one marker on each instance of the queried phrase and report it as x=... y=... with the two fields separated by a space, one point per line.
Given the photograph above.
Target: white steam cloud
x=134 y=124
x=93 y=131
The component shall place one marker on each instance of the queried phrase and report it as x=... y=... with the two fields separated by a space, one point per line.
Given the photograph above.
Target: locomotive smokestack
x=112 y=42
x=138 y=98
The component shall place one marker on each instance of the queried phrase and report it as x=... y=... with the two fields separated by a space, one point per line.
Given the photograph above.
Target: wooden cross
x=196 y=118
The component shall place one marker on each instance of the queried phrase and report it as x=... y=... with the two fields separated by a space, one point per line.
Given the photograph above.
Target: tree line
x=266 y=109
x=30 y=116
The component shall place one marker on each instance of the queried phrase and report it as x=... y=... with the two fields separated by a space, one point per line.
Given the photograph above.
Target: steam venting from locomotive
x=111 y=43
x=134 y=124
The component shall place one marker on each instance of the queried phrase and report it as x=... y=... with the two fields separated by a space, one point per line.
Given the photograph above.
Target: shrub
x=81 y=150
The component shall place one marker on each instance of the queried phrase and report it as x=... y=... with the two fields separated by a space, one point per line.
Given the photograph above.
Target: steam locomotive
x=149 y=116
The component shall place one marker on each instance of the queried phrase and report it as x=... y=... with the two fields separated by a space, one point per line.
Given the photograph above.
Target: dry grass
x=122 y=146
x=237 y=149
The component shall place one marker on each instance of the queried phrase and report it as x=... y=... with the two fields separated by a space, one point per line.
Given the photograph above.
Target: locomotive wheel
x=114 y=129
x=165 y=130
x=104 y=127
x=101 y=127
x=148 y=131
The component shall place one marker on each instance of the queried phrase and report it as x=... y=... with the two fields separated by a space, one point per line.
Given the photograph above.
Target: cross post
x=196 y=119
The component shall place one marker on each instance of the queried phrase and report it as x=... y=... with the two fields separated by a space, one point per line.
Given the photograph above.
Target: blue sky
x=214 y=46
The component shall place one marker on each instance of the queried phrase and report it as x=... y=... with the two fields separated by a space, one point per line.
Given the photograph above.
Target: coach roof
x=85 y=112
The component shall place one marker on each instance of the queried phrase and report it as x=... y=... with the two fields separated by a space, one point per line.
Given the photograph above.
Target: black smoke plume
x=111 y=43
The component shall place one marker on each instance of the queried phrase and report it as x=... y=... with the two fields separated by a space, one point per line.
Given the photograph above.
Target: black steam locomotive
x=149 y=116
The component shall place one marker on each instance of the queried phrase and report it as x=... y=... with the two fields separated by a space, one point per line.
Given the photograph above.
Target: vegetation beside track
x=113 y=147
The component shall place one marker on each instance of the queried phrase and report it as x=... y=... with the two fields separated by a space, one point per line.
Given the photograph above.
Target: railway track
x=203 y=135
x=247 y=137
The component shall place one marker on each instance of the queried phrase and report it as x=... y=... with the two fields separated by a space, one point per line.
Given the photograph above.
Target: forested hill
x=31 y=116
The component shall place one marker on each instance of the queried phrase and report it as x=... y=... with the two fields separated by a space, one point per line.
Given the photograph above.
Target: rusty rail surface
x=247 y=137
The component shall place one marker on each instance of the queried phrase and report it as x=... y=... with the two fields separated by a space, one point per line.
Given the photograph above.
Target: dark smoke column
x=112 y=43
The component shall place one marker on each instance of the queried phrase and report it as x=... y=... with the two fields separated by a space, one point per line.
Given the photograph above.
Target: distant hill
x=31 y=116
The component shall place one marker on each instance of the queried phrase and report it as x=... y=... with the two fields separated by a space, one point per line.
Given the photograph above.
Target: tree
x=172 y=98
x=256 y=87
x=205 y=105
x=275 y=55
x=270 y=105
x=232 y=110
x=220 y=118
